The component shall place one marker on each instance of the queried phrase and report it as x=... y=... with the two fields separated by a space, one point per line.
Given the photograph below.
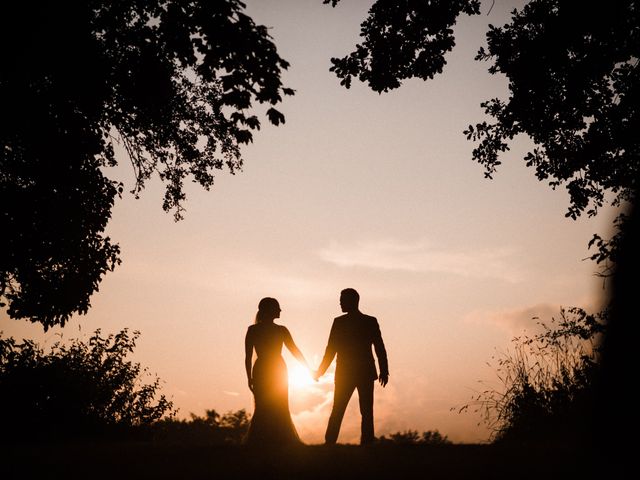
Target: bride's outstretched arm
x=293 y=348
x=248 y=355
x=329 y=353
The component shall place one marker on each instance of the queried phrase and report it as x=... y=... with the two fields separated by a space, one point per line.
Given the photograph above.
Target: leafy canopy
x=574 y=90
x=172 y=82
x=573 y=79
x=402 y=39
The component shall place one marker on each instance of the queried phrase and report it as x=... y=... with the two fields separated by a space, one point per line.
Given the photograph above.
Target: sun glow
x=300 y=377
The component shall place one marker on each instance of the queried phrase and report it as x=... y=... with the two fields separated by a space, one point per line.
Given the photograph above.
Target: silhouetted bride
x=271 y=424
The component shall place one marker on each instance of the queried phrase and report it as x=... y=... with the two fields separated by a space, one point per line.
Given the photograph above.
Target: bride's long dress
x=271 y=424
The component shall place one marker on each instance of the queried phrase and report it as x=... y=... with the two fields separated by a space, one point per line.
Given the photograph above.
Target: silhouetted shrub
x=78 y=389
x=212 y=429
x=548 y=381
x=433 y=437
x=430 y=437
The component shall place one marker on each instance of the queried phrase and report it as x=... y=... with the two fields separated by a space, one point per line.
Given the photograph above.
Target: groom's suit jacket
x=351 y=338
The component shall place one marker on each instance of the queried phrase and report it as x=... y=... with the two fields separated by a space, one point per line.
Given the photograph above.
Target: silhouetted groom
x=351 y=337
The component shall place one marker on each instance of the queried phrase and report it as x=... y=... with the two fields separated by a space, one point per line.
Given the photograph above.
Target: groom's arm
x=381 y=353
x=329 y=352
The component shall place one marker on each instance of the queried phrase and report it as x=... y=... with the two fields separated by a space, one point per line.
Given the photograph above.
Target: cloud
x=420 y=257
x=409 y=401
x=311 y=406
x=516 y=320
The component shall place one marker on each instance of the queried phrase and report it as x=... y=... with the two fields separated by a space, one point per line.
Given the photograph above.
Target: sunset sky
x=374 y=192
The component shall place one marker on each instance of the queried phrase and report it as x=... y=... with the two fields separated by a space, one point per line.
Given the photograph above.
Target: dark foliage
x=172 y=82
x=212 y=429
x=617 y=417
x=549 y=383
x=76 y=390
x=402 y=39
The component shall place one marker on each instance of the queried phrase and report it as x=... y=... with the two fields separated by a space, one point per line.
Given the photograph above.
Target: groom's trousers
x=343 y=390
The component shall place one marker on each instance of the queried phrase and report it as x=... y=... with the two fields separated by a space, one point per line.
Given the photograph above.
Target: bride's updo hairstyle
x=267 y=309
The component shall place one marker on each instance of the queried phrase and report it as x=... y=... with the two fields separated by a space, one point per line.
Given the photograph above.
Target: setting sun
x=300 y=377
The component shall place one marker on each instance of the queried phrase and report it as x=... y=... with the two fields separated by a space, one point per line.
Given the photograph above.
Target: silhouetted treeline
x=84 y=388
x=412 y=437
x=212 y=429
